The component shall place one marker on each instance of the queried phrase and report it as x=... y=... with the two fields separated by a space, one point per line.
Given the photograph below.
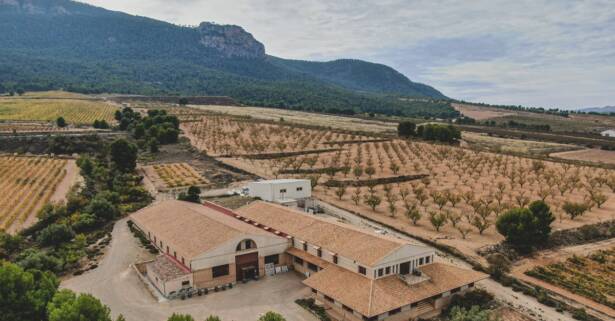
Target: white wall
x=273 y=190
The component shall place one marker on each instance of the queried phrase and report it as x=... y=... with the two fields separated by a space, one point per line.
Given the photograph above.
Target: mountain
x=51 y=44
x=600 y=110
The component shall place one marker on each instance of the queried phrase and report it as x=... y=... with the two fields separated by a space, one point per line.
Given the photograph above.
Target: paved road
x=518 y=301
x=117 y=285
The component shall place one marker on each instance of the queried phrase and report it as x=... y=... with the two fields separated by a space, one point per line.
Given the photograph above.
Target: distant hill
x=53 y=44
x=600 y=110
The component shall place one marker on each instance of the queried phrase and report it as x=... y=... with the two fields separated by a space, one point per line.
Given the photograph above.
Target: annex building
x=355 y=273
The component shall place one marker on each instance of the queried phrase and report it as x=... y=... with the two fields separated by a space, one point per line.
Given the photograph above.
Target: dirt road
x=117 y=285
x=518 y=301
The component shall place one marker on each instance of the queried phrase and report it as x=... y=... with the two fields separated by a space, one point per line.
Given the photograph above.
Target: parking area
x=117 y=285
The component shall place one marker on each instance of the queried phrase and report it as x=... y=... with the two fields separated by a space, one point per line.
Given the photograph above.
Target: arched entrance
x=246 y=265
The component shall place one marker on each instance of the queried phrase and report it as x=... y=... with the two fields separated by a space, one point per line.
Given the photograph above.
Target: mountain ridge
x=66 y=44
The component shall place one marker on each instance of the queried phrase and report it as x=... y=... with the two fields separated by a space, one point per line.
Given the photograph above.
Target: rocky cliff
x=231 y=41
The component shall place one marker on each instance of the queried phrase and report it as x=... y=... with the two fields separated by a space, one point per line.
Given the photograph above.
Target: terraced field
x=26 y=184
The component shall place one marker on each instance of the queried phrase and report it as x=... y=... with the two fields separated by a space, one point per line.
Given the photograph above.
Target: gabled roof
x=192 y=229
x=361 y=245
x=374 y=297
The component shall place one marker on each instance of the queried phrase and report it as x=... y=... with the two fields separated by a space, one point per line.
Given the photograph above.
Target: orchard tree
x=574 y=209
x=372 y=201
x=271 y=316
x=437 y=220
x=413 y=214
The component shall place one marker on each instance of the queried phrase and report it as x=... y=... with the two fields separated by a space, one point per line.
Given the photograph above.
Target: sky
x=556 y=54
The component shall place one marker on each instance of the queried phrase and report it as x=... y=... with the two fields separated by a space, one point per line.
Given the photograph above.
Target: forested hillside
x=53 y=44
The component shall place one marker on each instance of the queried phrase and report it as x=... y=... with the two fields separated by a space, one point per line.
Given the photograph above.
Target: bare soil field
x=26 y=184
x=173 y=175
x=459 y=200
x=588 y=155
x=481 y=113
x=518 y=146
x=574 y=273
x=305 y=118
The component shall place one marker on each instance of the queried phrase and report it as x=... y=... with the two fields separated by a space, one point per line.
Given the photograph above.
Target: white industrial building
x=283 y=191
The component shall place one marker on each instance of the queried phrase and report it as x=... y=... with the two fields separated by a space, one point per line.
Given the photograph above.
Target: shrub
x=55 y=234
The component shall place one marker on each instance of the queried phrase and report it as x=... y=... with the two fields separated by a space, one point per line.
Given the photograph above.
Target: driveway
x=117 y=285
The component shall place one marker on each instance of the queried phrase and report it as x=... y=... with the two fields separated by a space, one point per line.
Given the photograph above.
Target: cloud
x=541 y=53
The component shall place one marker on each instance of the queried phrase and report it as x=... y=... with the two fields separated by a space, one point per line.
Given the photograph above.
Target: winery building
x=355 y=273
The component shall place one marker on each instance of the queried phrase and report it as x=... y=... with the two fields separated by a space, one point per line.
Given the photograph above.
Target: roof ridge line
x=371 y=294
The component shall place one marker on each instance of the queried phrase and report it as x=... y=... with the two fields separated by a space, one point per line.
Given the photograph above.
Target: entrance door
x=404 y=268
x=246 y=266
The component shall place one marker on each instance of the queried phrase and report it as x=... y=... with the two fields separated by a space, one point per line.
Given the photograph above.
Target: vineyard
x=592 y=276
x=73 y=111
x=26 y=184
x=447 y=194
x=174 y=175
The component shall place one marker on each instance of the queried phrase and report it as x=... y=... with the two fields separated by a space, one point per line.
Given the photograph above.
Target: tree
x=340 y=191
x=68 y=306
x=193 y=195
x=574 y=209
x=182 y=317
x=271 y=316
x=413 y=214
x=499 y=265
x=124 y=155
x=481 y=223
x=526 y=227
x=24 y=294
x=437 y=220
x=473 y=314
x=406 y=129
x=60 y=122
x=55 y=234
x=183 y=101
x=356 y=196
x=357 y=171
x=597 y=197
x=9 y=243
x=213 y=318
x=372 y=201
x=370 y=171
x=102 y=209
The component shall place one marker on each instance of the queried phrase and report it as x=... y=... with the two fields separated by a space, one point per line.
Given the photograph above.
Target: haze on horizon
x=534 y=53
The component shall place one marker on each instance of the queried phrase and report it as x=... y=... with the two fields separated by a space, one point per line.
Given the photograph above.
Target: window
x=395 y=311
x=248 y=245
x=455 y=290
x=427 y=260
x=220 y=270
x=362 y=270
x=380 y=272
x=314 y=291
x=387 y=270
x=298 y=260
x=374 y=318
x=305 y=246
x=183 y=261
x=471 y=285
x=404 y=268
x=347 y=308
x=319 y=252
x=328 y=298
x=335 y=259
x=283 y=190
x=312 y=267
x=185 y=283
x=299 y=189
x=275 y=259
x=174 y=254
x=421 y=261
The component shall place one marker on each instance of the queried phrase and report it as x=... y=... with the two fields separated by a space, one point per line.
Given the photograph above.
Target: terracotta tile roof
x=166 y=268
x=191 y=229
x=361 y=245
x=308 y=257
x=374 y=297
